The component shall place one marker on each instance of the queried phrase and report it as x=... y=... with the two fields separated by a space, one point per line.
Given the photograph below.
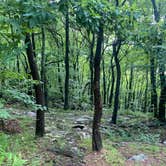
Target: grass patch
x=136 y=114
x=112 y=155
x=146 y=148
x=86 y=143
x=16 y=149
x=8 y=156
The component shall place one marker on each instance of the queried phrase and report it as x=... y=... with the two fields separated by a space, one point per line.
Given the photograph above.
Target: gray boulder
x=139 y=157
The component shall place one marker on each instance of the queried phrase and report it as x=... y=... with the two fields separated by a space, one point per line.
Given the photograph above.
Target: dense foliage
x=80 y=54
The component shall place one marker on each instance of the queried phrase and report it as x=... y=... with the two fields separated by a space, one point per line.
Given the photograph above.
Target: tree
x=66 y=98
x=43 y=67
x=116 y=47
x=38 y=88
x=96 y=136
x=162 y=101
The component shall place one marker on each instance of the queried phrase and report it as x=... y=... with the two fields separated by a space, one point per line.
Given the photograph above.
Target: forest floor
x=137 y=139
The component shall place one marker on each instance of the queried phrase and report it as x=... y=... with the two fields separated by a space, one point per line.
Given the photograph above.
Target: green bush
x=6 y=157
x=4 y=114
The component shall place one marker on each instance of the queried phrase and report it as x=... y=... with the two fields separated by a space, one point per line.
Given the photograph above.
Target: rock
x=84 y=135
x=164 y=142
x=83 y=120
x=139 y=157
x=31 y=114
x=67 y=151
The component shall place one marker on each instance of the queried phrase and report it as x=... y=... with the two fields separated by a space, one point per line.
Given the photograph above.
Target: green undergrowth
x=146 y=148
x=8 y=156
x=136 y=114
x=134 y=135
x=86 y=144
x=15 y=148
x=133 y=127
x=112 y=155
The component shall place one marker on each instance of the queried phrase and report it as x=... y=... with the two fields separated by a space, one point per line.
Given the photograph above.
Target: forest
x=82 y=82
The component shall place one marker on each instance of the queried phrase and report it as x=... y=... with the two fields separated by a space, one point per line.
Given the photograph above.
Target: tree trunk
x=33 y=44
x=112 y=84
x=161 y=69
x=153 y=73
x=38 y=88
x=96 y=135
x=116 y=47
x=43 y=69
x=104 y=82
x=91 y=63
x=146 y=90
x=153 y=86
x=66 y=97
x=162 y=93
x=130 y=87
x=60 y=81
x=126 y=91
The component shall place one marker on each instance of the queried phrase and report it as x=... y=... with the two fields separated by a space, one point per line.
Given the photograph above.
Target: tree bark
x=104 y=82
x=116 y=47
x=38 y=88
x=33 y=44
x=96 y=135
x=112 y=84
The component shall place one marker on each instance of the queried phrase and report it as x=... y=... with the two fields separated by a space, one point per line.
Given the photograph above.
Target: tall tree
x=38 y=88
x=91 y=65
x=116 y=48
x=43 y=67
x=130 y=86
x=112 y=83
x=104 y=81
x=66 y=92
x=162 y=101
x=96 y=135
x=153 y=85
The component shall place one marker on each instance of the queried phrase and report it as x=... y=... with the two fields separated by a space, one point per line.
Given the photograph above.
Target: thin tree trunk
x=146 y=90
x=66 y=97
x=60 y=81
x=96 y=135
x=91 y=63
x=43 y=68
x=116 y=47
x=126 y=95
x=112 y=84
x=38 y=88
x=130 y=87
x=33 y=44
x=162 y=93
x=17 y=57
x=104 y=82
x=153 y=86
